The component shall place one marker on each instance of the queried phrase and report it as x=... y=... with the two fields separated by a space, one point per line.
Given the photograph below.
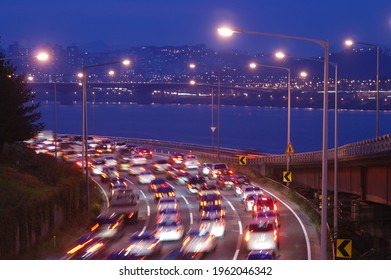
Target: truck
x=125 y=202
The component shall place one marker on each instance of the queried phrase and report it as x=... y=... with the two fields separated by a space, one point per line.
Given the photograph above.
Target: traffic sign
x=344 y=248
x=213 y=128
x=242 y=160
x=289 y=149
x=287 y=176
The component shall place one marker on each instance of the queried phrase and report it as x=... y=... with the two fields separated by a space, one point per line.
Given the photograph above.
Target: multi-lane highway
x=298 y=237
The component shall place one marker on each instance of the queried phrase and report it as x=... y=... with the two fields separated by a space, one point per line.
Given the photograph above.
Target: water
x=260 y=128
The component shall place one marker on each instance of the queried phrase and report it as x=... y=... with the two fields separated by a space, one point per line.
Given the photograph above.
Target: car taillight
x=275 y=234
x=171 y=194
x=94 y=227
x=255 y=208
x=275 y=207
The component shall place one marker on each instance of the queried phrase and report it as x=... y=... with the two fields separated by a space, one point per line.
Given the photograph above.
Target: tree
x=18 y=115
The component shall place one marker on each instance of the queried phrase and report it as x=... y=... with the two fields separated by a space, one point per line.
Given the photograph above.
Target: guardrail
x=380 y=146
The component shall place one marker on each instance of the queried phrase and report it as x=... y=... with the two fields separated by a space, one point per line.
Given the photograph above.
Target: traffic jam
x=168 y=206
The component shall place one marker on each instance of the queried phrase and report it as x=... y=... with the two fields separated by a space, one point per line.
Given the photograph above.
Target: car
x=169 y=230
x=205 y=168
x=97 y=165
x=209 y=199
x=197 y=241
x=167 y=214
x=71 y=155
x=269 y=215
x=249 y=190
x=108 y=173
x=145 y=177
x=225 y=182
x=138 y=159
x=136 y=169
x=86 y=247
x=118 y=184
x=143 y=244
x=190 y=161
x=215 y=210
x=167 y=202
x=123 y=164
x=249 y=202
x=265 y=203
x=195 y=183
x=109 y=226
x=164 y=192
x=180 y=176
x=176 y=159
x=110 y=160
x=160 y=166
x=241 y=179
x=145 y=152
x=156 y=183
x=261 y=234
x=261 y=255
x=213 y=224
x=219 y=169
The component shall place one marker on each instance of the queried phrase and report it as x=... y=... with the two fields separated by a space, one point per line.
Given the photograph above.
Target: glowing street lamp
x=325 y=45
x=212 y=127
x=253 y=66
x=350 y=43
x=83 y=75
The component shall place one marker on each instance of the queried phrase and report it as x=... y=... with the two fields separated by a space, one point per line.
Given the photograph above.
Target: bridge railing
x=362 y=149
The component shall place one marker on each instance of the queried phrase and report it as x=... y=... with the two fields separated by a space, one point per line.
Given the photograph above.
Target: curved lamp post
x=213 y=128
x=325 y=45
x=83 y=75
x=253 y=66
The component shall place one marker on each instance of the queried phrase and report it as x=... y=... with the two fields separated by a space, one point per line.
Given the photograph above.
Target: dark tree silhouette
x=18 y=115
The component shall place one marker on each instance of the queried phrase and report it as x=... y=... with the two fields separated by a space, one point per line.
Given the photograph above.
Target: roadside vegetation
x=42 y=204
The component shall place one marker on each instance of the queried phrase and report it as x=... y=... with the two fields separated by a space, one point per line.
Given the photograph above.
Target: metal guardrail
x=380 y=146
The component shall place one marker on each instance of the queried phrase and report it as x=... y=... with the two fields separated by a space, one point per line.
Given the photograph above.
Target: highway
x=298 y=237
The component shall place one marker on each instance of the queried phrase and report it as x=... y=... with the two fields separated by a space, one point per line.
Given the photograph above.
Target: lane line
x=142 y=231
x=188 y=207
x=239 y=241
x=232 y=207
x=103 y=191
x=148 y=210
x=240 y=227
x=143 y=194
x=236 y=254
x=191 y=218
x=184 y=198
x=307 y=239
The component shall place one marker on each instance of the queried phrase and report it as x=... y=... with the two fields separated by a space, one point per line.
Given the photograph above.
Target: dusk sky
x=132 y=23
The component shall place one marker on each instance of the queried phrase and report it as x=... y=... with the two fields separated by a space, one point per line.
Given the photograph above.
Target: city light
x=225 y=31
x=42 y=56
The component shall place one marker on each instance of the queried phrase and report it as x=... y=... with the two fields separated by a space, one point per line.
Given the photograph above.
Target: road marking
x=307 y=240
x=103 y=191
x=184 y=198
x=230 y=204
x=236 y=254
x=188 y=207
x=240 y=228
x=143 y=194
x=142 y=231
x=129 y=181
x=148 y=211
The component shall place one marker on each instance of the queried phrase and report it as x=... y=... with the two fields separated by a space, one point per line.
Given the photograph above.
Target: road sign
x=213 y=128
x=344 y=248
x=242 y=160
x=287 y=176
x=289 y=149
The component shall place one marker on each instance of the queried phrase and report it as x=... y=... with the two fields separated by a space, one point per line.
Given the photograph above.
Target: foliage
x=18 y=115
x=38 y=195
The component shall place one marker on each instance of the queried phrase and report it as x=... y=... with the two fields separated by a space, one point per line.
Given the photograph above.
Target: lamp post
x=254 y=65
x=350 y=43
x=212 y=127
x=84 y=126
x=325 y=45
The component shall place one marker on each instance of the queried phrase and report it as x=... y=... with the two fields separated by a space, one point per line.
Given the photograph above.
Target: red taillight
x=255 y=208
x=275 y=207
x=264 y=198
x=247 y=236
x=275 y=234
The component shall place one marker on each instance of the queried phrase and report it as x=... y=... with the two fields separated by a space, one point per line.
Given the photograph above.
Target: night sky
x=131 y=23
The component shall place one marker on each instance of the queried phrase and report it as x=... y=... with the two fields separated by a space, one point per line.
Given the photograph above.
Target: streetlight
x=83 y=75
x=281 y=55
x=325 y=45
x=350 y=43
x=41 y=56
x=253 y=66
x=212 y=127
